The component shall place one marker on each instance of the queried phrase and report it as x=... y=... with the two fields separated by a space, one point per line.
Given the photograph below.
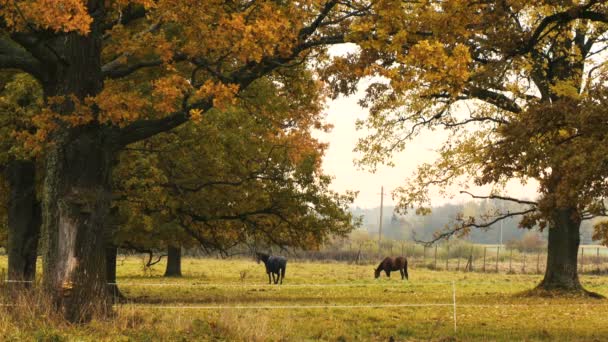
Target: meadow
x=230 y=300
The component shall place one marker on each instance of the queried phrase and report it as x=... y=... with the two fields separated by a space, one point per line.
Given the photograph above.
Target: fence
x=458 y=257
x=452 y=303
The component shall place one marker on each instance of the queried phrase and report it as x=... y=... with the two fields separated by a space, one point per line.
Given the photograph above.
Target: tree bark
x=24 y=220
x=174 y=262
x=562 y=256
x=76 y=205
x=77 y=188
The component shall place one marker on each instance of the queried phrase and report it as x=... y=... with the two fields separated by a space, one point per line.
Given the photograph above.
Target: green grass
x=489 y=307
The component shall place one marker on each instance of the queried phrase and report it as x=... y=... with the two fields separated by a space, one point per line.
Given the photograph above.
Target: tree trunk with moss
x=77 y=184
x=76 y=205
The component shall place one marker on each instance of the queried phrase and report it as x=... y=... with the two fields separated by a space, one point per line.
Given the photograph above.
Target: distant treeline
x=404 y=227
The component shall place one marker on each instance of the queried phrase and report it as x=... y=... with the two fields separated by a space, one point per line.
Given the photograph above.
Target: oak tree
x=86 y=56
x=520 y=86
x=250 y=174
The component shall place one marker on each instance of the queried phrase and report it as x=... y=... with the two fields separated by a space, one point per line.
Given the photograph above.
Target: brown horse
x=392 y=264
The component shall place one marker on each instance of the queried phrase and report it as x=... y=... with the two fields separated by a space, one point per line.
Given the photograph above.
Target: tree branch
x=465 y=226
x=14 y=57
x=503 y=198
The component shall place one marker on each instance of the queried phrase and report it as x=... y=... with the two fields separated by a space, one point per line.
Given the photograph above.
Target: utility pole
x=380 y=224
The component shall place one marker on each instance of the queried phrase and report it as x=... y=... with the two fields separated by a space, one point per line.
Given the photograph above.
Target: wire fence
x=459 y=257
x=445 y=302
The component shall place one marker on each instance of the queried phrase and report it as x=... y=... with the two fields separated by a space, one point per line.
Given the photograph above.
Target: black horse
x=275 y=265
x=392 y=264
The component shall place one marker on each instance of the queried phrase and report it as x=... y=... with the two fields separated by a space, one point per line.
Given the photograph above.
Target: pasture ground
x=488 y=307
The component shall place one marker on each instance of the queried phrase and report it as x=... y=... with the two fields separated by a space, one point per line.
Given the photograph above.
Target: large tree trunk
x=562 y=257
x=174 y=262
x=24 y=220
x=76 y=205
x=76 y=197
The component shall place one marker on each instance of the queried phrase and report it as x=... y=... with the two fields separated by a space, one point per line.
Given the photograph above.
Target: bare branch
x=465 y=226
x=503 y=198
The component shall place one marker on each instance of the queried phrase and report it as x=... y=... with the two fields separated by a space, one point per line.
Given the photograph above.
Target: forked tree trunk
x=562 y=257
x=174 y=262
x=24 y=220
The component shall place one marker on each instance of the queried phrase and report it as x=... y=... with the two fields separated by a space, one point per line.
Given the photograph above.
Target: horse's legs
x=282 y=275
x=405 y=272
x=276 y=280
x=269 y=282
x=402 y=274
x=388 y=273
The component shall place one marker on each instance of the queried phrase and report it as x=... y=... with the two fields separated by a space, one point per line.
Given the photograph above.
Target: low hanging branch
x=503 y=198
x=464 y=226
x=151 y=261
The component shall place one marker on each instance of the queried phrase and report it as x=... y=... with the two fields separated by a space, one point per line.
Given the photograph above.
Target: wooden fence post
x=511 y=260
x=497 y=257
x=447 y=257
x=484 y=259
x=597 y=258
x=471 y=259
x=435 y=265
x=582 y=260
x=423 y=254
x=523 y=268
x=538 y=263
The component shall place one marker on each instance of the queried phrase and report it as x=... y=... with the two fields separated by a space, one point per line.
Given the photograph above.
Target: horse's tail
x=283 y=270
x=405 y=270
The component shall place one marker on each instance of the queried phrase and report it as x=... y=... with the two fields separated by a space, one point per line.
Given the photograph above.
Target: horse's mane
x=380 y=265
x=263 y=256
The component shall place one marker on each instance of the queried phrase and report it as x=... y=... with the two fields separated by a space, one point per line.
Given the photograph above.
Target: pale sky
x=338 y=162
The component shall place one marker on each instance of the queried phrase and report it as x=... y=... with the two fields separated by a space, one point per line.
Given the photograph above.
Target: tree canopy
x=250 y=174
x=521 y=87
x=115 y=73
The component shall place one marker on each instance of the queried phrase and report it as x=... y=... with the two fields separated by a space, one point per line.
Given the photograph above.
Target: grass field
x=489 y=307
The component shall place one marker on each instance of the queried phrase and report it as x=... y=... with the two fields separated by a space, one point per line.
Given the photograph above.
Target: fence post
x=484 y=259
x=538 y=263
x=423 y=254
x=454 y=298
x=597 y=258
x=523 y=268
x=435 y=265
x=447 y=257
x=497 y=256
x=582 y=260
x=511 y=260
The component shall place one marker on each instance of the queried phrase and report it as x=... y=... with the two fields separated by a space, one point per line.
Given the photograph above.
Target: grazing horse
x=275 y=265
x=392 y=264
